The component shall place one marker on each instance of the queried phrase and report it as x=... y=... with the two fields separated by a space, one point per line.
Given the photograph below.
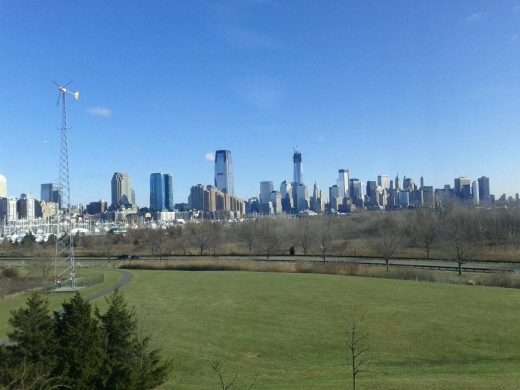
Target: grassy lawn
x=289 y=327
x=55 y=299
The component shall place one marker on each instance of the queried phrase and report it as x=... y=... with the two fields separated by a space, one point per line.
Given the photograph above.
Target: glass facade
x=224 y=179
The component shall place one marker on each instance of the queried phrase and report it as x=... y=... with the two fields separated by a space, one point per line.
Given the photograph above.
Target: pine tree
x=131 y=363
x=82 y=345
x=31 y=355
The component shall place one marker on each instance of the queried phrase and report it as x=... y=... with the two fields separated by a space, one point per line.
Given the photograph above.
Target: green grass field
x=290 y=328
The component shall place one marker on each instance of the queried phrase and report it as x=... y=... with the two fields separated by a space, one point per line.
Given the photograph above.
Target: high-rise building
x=298 y=169
x=121 y=189
x=8 y=211
x=50 y=192
x=287 y=196
x=483 y=190
x=161 y=192
x=383 y=181
x=266 y=187
x=397 y=183
x=343 y=183
x=3 y=187
x=476 y=195
x=459 y=183
x=224 y=179
x=25 y=207
x=302 y=198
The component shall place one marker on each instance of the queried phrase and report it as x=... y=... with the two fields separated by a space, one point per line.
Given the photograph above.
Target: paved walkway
x=126 y=277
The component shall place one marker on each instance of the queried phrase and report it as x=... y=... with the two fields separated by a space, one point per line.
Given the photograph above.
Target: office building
x=383 y=181
x=122 y=193
x=298 y=168
x=356 y=189
x=224 y=179
x=161 y=192
x=25 y=207
x=343 y=183
x=483 y=190
x=210 y=200
x=266 y=187
x=275 y=198
x=459 y=183
x=8 y=211
x=397 y=183
x=287 y=196
x=3 y=187
x=50 y=192
x=476 y=196
x=302 y=198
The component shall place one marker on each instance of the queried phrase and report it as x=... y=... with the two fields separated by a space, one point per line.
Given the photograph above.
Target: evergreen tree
x=82 y=345
x=31 y=355
x=130 y=361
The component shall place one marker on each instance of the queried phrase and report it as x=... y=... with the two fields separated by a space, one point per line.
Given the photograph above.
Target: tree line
x=445 y=231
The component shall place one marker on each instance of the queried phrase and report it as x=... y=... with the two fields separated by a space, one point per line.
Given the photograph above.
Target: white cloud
x=475 y=17
x=209 y=157
x=99 y=111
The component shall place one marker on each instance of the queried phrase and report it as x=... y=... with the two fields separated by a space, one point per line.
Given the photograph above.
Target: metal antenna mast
x=64 y=238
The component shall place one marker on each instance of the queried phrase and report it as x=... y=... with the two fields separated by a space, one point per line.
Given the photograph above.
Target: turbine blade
x=58 y=102
x=68 y=83
x=55 y=83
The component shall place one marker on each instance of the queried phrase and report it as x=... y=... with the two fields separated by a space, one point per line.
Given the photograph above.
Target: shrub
x=10 y=273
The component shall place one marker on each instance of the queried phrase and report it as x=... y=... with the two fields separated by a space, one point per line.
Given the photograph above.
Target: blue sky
x=417 y=88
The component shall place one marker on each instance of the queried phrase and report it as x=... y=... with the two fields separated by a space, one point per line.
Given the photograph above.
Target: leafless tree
x=248 y=233
x=462 y=245
x=386 y=244
x=160 y=241
x=43 y=262
x=354 y=342
x=304 y=233
x=226 y=381
x=270 y=236
x=425 y=230
x=199 y=236
x=324 y=233
x=215 y=231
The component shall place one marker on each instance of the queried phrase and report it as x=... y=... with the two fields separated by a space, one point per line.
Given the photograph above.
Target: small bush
x=10 y=273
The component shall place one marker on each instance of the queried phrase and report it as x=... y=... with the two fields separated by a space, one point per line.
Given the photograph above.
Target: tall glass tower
x=224 y=179
x=298 y=169
x=161 y=192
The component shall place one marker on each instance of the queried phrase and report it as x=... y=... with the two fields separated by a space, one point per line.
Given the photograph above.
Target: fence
x=81 y=283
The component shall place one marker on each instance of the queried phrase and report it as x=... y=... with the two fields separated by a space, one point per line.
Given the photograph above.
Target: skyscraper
x=121 y=189
x=459 y=183
x=161 y=192
x=483 y=190
x=50 y=192
x=3 y=186
x=383 y=181
x=343 y=183
x=298 y=169
x=266 y=187
x=224 y=179
x=476 y=197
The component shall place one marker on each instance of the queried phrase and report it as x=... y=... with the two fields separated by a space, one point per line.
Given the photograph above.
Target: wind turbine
x=64 y=242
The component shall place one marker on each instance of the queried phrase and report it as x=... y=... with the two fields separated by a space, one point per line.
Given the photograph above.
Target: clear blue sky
x=417 y=88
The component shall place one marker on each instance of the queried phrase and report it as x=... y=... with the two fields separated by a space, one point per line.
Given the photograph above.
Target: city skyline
x=422 y=89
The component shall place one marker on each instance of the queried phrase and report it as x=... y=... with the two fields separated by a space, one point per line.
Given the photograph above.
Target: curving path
x=126 y=277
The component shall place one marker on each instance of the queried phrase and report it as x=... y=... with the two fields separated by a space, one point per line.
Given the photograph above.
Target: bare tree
x=354 y=342
x=462 y=245
x=226 y=381
x=215 y=237
x=270 y=236
x=324 y=234
x=199 y=236
x=304 y=233
x=426 y=230
x=43 y=262
x=386 y=244
x=160 y=241
x=248 y=233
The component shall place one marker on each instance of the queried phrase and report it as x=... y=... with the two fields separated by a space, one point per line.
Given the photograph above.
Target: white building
x=3 y=187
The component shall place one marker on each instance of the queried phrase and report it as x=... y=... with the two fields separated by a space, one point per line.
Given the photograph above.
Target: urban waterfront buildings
x=122 y=193
x=50 y=192
x=161 y=192
x=297 y=169
x=224 y=179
